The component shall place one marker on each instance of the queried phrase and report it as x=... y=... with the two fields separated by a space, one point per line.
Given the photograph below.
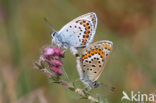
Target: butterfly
x=76 y=34
x=92 y=60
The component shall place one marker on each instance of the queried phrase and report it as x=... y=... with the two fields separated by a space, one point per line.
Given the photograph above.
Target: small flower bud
x=57 y=51
x=57 y=63
x=62 y=54
x=48 y=51
x=58 y=71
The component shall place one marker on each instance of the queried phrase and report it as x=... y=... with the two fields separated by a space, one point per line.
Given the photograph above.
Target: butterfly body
x=76 y=34
x=92 y=60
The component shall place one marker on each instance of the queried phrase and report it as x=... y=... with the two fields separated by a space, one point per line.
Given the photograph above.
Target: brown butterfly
x=92 y=60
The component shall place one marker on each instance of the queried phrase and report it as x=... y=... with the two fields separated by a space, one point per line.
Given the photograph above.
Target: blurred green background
x=130 y=24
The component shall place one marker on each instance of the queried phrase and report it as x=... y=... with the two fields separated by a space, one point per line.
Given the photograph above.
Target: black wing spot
x=70 y=26
x=99 y=65
x=94 y=72
x=89 y=61
x=90 y=69
x=67 y=30
x=93 y=66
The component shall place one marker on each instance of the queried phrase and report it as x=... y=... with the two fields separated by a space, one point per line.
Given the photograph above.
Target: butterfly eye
x=95 y=84
x=53 y=34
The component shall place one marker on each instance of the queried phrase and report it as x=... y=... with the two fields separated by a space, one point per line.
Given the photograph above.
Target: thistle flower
x=52 y=56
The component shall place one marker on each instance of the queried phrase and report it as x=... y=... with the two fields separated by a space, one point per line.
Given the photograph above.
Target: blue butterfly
x=76 y=34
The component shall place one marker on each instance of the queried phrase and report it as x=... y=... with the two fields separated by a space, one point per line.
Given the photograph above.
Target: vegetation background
x=130 y=24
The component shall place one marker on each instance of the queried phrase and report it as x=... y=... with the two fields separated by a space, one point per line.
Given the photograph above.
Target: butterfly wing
x=80 y=31
x=94 y=59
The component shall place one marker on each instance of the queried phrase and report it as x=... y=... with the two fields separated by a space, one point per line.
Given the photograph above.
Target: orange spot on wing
x=102 y=54
x=81 y=22
x=85 y=25
x=83 y=42
x=85 y=36
x=83 y=57
x=93 y=52
x=105 y=46
x=86 y=28
x=108 y=47
x=86 y=33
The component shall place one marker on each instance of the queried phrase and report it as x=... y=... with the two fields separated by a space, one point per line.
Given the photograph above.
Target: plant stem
x=80 y=92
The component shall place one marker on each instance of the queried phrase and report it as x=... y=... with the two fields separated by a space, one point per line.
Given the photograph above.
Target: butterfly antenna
x=47 y=22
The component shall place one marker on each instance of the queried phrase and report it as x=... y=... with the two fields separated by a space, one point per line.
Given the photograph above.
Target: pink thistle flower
x=52 y=56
